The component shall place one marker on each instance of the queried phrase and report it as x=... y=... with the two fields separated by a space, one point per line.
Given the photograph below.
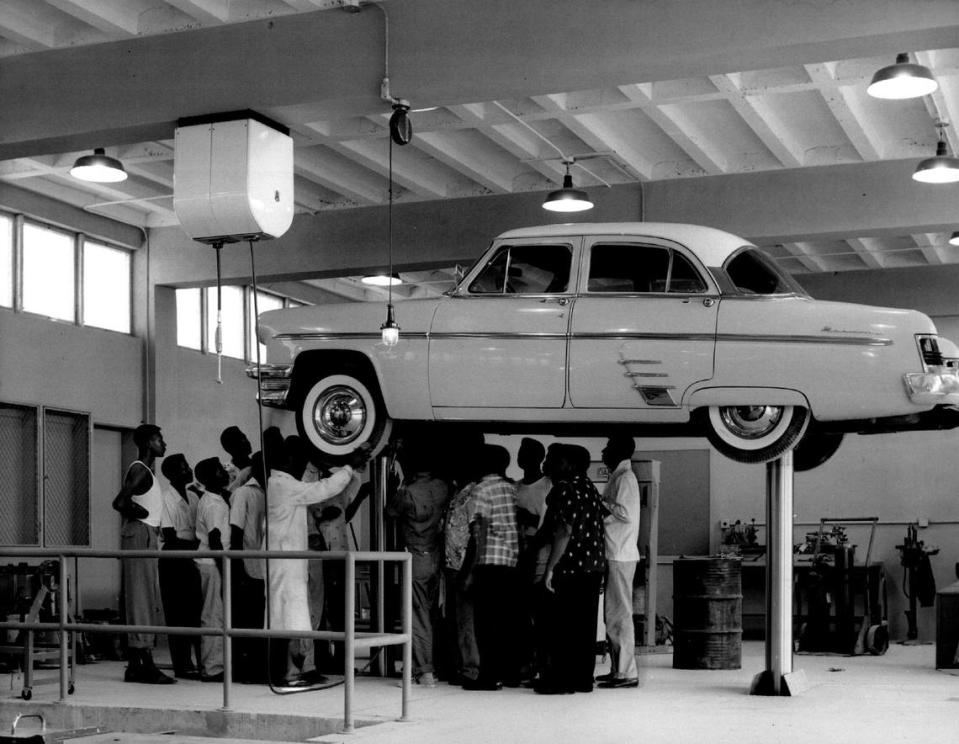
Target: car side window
x=751 y=274
x=641 y=268
x=525 y=269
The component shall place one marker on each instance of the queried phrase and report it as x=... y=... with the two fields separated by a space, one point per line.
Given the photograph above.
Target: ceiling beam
x=844 y=105
x=26 y=25
x=297 y=60
x=802 y=252
x=115 y=19
x=205 y=11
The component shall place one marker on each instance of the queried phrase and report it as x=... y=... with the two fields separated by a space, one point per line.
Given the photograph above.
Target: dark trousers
x=249 y=608
x=330 y=656
x=572 y=633
x=495 y=613
x=426 y=589
x=182 y=600
x=462 y=656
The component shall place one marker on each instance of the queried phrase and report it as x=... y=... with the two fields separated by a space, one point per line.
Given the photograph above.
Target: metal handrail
x=351 y=639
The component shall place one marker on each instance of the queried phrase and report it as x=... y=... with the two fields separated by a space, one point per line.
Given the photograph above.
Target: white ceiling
x=731 y=122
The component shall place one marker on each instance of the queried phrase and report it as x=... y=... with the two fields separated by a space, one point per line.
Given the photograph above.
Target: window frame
x=464 y=289
x=649 y=242
x=74 y=237
x=82 y=240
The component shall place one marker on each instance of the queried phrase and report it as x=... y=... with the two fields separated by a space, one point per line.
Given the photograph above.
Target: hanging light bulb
x=943 y=167
x=98 y=168
x=390 y=331
x=567 y=199
x=902 y=80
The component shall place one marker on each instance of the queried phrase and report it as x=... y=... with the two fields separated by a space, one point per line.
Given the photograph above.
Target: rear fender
x=744 y=396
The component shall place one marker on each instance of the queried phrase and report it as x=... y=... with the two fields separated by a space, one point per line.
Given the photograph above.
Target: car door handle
x=558 y=300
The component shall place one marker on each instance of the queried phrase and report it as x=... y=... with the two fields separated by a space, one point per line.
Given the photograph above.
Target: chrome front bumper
x=274 y=383
x=939 y=385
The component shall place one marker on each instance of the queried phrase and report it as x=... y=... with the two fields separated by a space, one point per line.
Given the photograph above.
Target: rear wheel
x=815 y=448
x=339 y=412
x=753 y=434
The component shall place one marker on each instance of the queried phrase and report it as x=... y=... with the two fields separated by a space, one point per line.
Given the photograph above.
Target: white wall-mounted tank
x=233 y=177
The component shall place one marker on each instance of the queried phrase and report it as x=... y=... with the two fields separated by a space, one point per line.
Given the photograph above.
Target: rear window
x=752 y=272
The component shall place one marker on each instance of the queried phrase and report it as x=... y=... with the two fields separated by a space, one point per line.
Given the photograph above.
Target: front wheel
x=754 y=434
x=339 y=413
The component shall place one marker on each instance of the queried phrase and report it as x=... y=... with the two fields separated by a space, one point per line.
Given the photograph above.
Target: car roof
x=712 y=246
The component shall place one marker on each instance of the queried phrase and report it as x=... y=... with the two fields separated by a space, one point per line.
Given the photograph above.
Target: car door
x=500 y=340
x=644 y=327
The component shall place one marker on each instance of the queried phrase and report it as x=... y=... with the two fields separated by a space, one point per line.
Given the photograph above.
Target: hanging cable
x=218 y=336
x=266 y=494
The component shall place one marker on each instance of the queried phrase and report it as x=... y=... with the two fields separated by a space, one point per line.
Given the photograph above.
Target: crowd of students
x=516 y=569
x=507 y=575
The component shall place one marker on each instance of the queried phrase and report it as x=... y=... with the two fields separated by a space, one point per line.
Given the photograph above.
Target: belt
x=417 y=551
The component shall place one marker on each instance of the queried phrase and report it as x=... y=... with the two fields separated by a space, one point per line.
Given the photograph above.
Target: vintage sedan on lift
x=581 y=327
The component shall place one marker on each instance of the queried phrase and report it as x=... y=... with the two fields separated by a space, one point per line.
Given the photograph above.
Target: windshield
x=753 y=272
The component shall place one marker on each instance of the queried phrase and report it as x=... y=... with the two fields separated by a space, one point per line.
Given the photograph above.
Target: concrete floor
x=898 y=697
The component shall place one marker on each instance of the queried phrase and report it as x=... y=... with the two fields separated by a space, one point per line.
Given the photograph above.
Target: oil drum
x=707 y=613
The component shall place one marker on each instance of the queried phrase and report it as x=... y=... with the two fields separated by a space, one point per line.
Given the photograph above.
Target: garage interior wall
x=122 y=380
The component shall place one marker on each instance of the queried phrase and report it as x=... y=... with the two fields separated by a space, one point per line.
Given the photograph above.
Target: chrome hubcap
x=339 y=415
x=751 y=422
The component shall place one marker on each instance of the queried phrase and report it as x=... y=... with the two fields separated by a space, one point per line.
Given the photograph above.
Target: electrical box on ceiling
x=232 y=177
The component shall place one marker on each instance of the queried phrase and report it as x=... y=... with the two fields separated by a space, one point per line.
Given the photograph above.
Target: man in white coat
x=621 y=497
x=287 y=502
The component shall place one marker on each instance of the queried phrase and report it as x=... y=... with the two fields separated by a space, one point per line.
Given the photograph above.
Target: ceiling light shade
x=382 y=280
x=567 y=199
x=99 y=168
x=954 y=238
x=943 y=168
x=902 y=80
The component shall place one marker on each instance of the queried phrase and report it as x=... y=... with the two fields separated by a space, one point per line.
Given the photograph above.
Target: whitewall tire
x=339 y=413
x=754 y=434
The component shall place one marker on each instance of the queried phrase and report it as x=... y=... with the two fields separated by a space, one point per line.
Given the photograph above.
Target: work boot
x=134 y=665
x=142 y=669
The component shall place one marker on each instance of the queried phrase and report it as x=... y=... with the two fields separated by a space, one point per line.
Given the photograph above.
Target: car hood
x=412 y=316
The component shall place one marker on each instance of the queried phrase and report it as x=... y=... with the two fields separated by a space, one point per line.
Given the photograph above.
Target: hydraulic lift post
x=779 y=677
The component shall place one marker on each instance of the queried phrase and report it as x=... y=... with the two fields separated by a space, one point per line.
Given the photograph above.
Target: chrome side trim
x=645 y=374
x=723 y=337
x=656 y=396
x=803 y=339
x=344 y=336
x=501 y=335
x=739 y=338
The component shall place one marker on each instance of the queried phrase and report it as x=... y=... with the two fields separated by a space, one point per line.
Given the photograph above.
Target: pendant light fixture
x=567 y=199
x=390 y=331
x=98 y=168
x=943 y=167
x=902 y=80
